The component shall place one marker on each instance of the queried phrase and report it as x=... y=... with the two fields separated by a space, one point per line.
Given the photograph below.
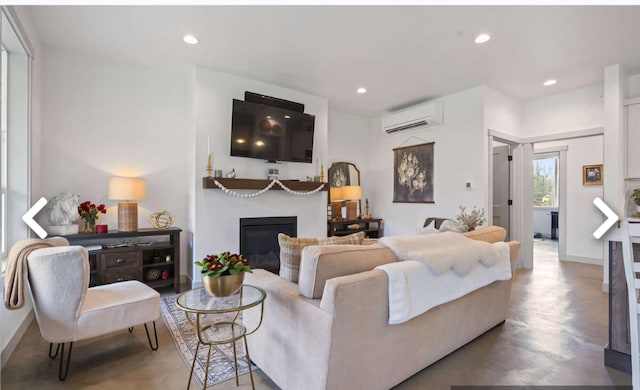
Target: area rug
x=221 y=366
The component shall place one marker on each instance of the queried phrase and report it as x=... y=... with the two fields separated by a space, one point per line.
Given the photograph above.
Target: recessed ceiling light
x=190 y=39
x=240 y=140
x=287 y=116
x=549 y=82
x=268 y=116
x=259 y=143
x=361 y=90
x=482 y=38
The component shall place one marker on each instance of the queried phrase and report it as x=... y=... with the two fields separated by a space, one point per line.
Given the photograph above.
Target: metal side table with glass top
x=197 y=303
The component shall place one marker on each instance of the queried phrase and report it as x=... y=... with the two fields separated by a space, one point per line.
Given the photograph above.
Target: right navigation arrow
x=612 y=218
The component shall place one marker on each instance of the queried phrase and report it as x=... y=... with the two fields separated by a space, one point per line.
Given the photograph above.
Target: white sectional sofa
x=331 y=330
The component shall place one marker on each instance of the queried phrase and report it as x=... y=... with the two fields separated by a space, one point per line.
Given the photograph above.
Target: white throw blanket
x=436 y=269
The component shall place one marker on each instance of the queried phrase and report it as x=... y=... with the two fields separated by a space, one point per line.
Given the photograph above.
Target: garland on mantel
x=267 y=188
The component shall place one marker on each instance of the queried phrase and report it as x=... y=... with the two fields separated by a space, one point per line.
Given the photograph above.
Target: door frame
x=522 y=179
x=518 y=215
x=562 y=195
x=509 y=184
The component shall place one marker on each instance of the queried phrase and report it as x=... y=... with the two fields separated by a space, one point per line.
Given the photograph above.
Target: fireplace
x=259 y=240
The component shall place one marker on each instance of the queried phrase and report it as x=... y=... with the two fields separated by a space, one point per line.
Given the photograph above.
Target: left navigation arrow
x=28 y=218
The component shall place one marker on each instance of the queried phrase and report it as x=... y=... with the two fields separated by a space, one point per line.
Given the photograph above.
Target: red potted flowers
x=223 y=274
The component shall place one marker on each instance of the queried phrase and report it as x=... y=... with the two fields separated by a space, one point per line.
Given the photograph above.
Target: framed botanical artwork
x=592 y=175
x=413 y=174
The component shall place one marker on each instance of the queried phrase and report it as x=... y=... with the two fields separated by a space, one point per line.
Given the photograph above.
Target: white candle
x=209 y=145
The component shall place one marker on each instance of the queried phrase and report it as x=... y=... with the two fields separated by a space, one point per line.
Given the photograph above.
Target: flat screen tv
x=271 y=133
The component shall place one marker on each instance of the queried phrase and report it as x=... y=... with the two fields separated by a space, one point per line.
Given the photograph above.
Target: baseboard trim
x=584 y=260
x=17 y=336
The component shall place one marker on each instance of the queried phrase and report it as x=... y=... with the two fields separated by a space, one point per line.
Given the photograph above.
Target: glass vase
x=89 y=226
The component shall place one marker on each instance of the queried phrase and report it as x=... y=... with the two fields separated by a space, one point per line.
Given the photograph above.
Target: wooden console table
x=372 y=228
x=144 y=255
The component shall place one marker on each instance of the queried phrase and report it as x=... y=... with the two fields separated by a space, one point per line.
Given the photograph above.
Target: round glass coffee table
x=197 y=303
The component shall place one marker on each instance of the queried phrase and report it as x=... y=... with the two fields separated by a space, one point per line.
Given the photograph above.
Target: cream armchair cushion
x=67 y=310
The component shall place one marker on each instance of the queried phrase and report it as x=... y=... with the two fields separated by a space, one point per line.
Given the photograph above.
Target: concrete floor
x=554 y=335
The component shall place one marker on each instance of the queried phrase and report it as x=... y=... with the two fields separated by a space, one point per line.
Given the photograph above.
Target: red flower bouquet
x=90 y=213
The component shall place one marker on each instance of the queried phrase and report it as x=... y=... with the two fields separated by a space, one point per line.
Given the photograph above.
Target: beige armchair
x=67 y=310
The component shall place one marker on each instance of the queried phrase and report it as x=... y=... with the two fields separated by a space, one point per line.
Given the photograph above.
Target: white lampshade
x=351 y=192
x=127 y=188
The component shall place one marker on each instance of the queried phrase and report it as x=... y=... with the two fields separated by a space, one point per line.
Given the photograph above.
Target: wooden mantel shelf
x=257 y=184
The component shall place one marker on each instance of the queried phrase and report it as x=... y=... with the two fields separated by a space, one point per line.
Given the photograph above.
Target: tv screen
x=271 y=133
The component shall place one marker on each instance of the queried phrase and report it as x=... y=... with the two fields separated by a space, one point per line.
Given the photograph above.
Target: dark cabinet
x=617 y=352
x=372 y=228
x=149 y=255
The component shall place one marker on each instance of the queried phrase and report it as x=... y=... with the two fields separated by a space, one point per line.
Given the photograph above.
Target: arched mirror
x=344 y=186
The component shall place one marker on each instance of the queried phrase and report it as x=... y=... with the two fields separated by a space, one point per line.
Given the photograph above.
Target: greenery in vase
x=90 y=212
x=223 y=264
x=636 y=196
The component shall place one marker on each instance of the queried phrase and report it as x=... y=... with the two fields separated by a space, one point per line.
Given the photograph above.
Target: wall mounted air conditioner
x=429 y=114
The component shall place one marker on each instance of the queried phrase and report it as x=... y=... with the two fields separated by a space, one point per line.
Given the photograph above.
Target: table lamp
x=351 y=193
x=126 y=190
x=335 y=197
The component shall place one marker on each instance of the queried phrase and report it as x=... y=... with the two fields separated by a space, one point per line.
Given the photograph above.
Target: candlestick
x=209 y=167
x=321 y=173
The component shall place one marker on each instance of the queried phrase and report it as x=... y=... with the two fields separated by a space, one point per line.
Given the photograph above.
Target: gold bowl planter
x=222 y=286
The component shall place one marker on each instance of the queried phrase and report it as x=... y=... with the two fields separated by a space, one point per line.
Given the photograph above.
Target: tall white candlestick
x=209 y=145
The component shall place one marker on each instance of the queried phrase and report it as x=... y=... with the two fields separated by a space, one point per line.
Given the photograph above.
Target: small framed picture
x=592 y=175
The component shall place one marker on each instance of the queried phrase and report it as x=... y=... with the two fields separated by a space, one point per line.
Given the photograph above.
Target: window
x=545 y=181
x=15 y=106
x=3 y=153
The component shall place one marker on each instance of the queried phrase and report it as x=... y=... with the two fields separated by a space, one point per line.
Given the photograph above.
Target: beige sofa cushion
x=320 y=263
x=488 y=234
x=291 y=250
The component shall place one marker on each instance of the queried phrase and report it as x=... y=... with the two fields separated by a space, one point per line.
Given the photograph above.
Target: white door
x=502 y=186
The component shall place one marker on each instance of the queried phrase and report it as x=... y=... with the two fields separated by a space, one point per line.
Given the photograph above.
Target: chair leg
x=57 y=349
x=131 y=329
x=155 y=333
x=63 y=375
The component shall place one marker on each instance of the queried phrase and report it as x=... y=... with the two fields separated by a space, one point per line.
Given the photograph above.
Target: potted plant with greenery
x=635 y=195
x=223 y=274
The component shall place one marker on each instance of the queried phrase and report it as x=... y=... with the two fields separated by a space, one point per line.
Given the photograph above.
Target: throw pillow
x=428 y=229
x=437 y=222
x=450 y=226
x=291 y=250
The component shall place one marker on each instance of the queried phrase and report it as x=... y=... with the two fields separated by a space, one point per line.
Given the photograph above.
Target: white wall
x=561 y=113
x=460 y=155
x=502 y=112
x=568 y=111
x=582 y=216
x=103 y=117
x=348 y=141
x=634 y=86
x=217 y=214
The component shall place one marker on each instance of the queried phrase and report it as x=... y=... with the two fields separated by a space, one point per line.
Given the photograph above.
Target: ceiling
x=401 y=54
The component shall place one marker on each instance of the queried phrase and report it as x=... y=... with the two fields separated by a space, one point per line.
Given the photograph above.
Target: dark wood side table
x=372 y=228
x=144 y=255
